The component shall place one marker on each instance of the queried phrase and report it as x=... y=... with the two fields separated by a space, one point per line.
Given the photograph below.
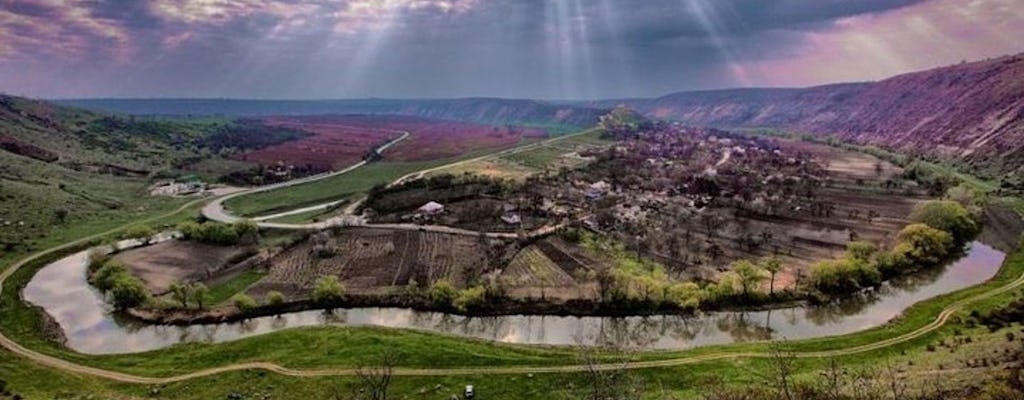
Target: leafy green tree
x=128 y=292
x=199 y=292
x=328 y=290
x=773 y=265
x=105 y=277
x=181 y=293
x=749 y=276
x=949 y=216
x=143 y=233
x=928 y=245
x=472 y=297
x=685 y=295
x=243 y=302
x=442 y=293
x=860 y=250
x=274 y=298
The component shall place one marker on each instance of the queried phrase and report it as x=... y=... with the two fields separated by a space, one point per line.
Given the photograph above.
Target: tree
x=328 y=290
x=750 y=276
x=374 y=382
x=243 y=302
x=181 y=293
x=274 y=298
x=442 y=293
x=199 y=292
x=946 y=215
x=859 y=250
x=927 y=245
x=773 y=265
x=128 y=292
x=140 y=232
x=107 y=275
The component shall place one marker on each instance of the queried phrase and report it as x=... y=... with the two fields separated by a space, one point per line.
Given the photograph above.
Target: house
x=597 y=190
x=512 y=219
x=431 y=208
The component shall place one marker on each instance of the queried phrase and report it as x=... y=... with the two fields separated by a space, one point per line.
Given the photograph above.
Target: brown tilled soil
x=376 y=260
x=163 y=263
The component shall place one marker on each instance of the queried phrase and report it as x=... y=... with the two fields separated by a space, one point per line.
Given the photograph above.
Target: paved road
x=215 y=210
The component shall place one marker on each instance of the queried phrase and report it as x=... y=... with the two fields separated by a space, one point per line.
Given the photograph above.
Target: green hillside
x=62 y=166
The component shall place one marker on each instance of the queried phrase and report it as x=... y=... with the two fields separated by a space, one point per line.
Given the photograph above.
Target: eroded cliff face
x=972 y=112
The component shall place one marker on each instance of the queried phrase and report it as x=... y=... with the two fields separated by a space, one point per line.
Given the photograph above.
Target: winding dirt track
x=67 y=366
x=71 y=367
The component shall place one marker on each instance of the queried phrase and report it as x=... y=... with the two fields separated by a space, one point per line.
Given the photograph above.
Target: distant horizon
x=551 y=50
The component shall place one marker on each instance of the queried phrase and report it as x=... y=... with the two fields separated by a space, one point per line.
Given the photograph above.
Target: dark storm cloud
x=432 y=48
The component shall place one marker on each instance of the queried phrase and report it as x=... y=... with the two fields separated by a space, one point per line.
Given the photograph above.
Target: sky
x=542 y=49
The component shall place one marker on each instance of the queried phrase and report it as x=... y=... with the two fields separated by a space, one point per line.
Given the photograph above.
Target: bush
x=683 y=295
x=128 y=292
x=140 y=232
x=218 y=233
x=895 y=261
x=442 y=293
x=274 y=298
x=948 y=216
x=328 y=290
x=106 y=276
x=470 y=298
x=925 y=245
x=243 y=302
x=96 y=260
x=844 y=275
x=860 y=250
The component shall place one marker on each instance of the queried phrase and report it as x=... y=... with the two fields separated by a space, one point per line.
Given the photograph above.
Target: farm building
x=431 y=208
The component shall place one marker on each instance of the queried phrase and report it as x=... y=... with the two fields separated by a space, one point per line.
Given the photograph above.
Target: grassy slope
x=363 y=344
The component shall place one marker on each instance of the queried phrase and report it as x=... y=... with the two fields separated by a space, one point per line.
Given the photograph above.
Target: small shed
x=431 y=208
x=512 y=219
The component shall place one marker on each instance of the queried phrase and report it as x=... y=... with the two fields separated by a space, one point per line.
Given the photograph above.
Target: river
x=90 y=327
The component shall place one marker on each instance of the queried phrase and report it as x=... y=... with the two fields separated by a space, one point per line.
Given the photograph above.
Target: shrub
x=860 y=250
x=895 y=261
x=199 y=292
x=470 y=298
x=723 y=290
x=328 y=290
x=243 y=302
x=442 y=293
x=927 y=245
x=683 y=295
x=128 y=292
x=844 y=275
x=274 y=298
x=749 y=275
x=948 y=216
x=181 y=293
x=140 y=232
x=216 y=232
x=106 y=276
x=97 y=259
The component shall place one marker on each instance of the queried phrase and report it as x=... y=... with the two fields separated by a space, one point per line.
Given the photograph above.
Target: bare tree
x=373 y=382
x=604 y=381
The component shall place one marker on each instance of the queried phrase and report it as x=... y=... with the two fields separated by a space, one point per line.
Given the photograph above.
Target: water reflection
x=60 y=288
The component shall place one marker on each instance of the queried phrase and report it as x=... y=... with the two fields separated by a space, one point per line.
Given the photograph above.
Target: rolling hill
x=972 y=113
x=479 y=110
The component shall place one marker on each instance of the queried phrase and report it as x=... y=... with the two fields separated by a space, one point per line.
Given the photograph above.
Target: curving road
x=215 y=210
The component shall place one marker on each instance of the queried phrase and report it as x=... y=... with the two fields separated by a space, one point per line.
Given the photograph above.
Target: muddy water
x=61 y=289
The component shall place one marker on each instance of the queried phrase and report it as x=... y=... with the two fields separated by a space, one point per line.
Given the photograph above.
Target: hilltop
x=972 y=113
